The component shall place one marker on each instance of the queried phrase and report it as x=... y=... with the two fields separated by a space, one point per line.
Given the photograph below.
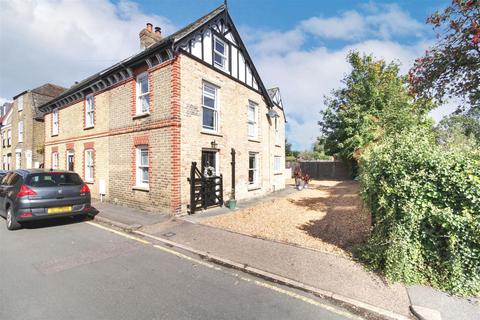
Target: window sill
x=278 y=173
x=253 y=188
x=55 y=135
x=211 y=133
x=253 y=140
x=140 y=188
x=277 y=145
x=89 y=181
x=141 y=115
x=89 y=127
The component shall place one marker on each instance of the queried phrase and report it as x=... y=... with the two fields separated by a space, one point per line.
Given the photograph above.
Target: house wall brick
x=114 y=137
x=233 y=133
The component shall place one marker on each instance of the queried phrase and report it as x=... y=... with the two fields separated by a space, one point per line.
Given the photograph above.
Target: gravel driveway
x=328 y=216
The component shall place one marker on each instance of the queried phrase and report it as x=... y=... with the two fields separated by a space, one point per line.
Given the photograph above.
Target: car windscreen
x=53 y=179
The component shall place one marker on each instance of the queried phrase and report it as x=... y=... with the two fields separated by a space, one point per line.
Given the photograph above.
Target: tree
x=289 y=153
x=459 y=129
x=374 y=102
x=452 y=67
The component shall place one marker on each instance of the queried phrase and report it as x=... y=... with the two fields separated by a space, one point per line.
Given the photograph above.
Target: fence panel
x=325 y=169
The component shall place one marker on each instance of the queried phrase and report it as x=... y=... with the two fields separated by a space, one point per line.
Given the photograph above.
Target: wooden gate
x=205 y=191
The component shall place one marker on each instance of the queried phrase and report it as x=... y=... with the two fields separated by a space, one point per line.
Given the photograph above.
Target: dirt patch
x=328 y=216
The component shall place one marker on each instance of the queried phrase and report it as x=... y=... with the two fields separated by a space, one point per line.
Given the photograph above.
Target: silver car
x=27 y=195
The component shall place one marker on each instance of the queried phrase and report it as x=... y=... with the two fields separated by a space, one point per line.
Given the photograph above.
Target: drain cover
x=169 y=234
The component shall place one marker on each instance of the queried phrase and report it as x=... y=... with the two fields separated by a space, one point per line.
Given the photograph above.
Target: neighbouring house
x=134 y=130
x=6 y=134
x=24 y=128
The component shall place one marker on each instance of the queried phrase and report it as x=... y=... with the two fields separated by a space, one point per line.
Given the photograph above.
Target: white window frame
x=20 y=103
x=223 y=56
x=55 y=160
x=141 y=96
x=215 y=109
x=89 y=165
x=55 y=122
x=277 y=133
x=89 y=111
x=256 y=170
x=277 y=164
x=252 y=124
x=140 y=183
x=20 y=131
x=18 y=159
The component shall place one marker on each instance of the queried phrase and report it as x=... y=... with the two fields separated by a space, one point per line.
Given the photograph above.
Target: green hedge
x=425 y=204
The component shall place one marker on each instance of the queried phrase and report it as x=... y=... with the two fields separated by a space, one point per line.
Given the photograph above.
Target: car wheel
x=12 y=223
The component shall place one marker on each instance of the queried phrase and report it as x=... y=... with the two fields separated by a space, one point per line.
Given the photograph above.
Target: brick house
x=24 y=130
x=133 y=130
x=6 y=134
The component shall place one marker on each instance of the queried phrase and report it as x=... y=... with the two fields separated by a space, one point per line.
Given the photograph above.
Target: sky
x=297 y=45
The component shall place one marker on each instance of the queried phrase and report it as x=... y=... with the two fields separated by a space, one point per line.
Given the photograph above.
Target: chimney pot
x=149 y=27
x=158 y=31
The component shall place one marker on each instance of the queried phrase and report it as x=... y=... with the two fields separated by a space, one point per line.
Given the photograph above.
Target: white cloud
x=384 y=21
x=64 y=41
x=349 y=25
x=306 y=75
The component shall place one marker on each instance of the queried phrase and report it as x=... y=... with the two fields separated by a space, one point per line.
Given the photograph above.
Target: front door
x=70 y=161
x=209 y=163
x=209 y=171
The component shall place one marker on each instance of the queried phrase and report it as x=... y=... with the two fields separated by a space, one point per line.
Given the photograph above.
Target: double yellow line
x=215 y=267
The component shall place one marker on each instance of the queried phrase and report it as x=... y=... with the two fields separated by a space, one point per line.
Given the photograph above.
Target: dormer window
x=220 y=54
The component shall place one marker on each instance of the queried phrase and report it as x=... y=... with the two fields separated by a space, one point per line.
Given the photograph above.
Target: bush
x=425 y=204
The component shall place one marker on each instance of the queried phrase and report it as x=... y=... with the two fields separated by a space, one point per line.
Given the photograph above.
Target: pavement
x=76 y=269
x=339 y=279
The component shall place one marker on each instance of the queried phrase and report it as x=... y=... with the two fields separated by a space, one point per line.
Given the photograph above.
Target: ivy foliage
x=425 y=204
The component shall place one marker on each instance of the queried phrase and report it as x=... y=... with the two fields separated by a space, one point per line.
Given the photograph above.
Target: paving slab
x=128 y=216
x=314 y=268
x=450 y=308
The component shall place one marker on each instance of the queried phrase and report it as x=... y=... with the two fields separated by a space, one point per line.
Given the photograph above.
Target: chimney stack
x=149 y=27
x=148 y=37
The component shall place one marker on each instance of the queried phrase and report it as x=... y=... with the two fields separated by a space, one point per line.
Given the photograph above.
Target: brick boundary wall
x=175 y=197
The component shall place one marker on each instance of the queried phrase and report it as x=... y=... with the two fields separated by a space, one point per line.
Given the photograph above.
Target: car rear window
x=53 y=179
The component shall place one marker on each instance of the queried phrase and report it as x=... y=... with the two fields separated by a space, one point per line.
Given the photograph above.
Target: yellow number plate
x=60 y=209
